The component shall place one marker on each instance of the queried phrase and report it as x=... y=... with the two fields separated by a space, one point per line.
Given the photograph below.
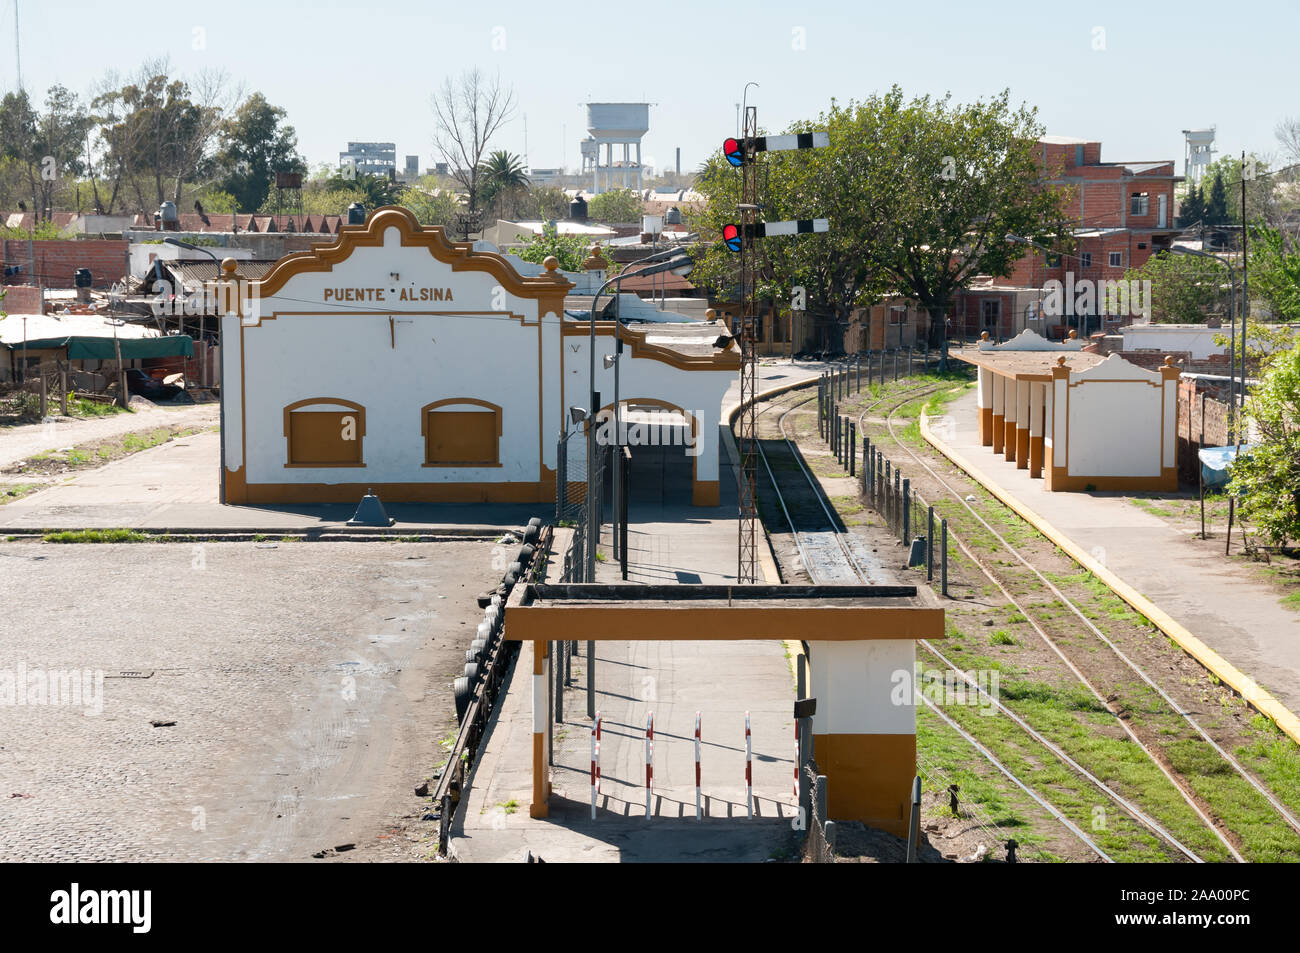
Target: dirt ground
x=259 y=701
x=20 y=441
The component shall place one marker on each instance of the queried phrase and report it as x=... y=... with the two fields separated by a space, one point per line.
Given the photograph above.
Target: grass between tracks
x=1054 y=703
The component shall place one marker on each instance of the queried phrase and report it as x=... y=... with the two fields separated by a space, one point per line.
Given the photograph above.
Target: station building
x=1078 y=420
x=399 y=361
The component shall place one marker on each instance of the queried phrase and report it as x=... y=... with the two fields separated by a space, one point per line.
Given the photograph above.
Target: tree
x=46 y=146
x=432 y=206
x=1216 y=207
x=1267 y=479
x=616 y=205
x=1275 y=272
x=569 y=250
x=968 y=177
x=503 y=179
x=1184 y=288
x=468 y=111
x=256 y=144
x=1192 y=210
x=546 y=203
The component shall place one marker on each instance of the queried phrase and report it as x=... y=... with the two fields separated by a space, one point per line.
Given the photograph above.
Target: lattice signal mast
x=743 y=238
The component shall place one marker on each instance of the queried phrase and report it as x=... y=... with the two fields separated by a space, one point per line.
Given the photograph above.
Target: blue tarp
x=1215 y=462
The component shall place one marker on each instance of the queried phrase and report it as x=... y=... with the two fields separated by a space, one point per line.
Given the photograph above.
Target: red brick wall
x=20 y=299
x=58 y=260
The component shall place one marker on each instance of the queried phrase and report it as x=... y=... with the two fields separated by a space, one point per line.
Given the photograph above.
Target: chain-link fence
x=572 y=508
x=819 y=847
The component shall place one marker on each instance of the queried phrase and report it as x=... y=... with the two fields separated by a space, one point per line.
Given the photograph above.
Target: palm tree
x=502 y=176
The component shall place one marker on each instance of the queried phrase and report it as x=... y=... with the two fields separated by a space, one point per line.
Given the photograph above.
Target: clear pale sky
x=365 y=71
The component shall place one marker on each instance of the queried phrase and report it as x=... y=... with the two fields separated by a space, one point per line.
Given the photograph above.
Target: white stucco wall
x=856 y=686
x=1194 y=338
x=1116 y=419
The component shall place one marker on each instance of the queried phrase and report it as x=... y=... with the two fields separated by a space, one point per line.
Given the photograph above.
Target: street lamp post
x=677 y=262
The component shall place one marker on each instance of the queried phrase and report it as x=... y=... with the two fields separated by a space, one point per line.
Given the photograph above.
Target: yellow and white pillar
x=999 y=408
x=1037 y=399
x=984 y=401
x=1023 y=423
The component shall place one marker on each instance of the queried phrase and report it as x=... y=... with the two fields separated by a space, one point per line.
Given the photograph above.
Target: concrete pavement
x=1220 y=603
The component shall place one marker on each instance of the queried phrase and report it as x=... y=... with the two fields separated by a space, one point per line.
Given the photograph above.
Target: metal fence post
x=868 y=367
x=911 y=366
x=907 y=512
x=943 y=576
x=929 y=545
x=895 y=365
x=591 y=679
x=898 y=479
x=914 y=823
x=853 y=448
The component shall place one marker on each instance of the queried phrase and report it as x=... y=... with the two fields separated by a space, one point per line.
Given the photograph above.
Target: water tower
x=617 y=124
x=1199 y=154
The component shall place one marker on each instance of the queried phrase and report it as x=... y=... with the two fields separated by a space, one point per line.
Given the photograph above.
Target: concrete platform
x=669 y=542
x=1219 y=603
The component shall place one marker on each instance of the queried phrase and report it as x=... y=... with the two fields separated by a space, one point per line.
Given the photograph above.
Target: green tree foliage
x=46 y=147
x=921 y=195
x=569 y=250
x=1275 y=272
x=1192 y=209
x=432 y=205
x=256 y=144
x=1267 y=480
x=545 y=203
x=1184 y=288
x=615 y=206
x=502 y=181
x=1216 y=206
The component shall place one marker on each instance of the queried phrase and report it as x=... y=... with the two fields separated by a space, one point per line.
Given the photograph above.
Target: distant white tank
x=616 y=124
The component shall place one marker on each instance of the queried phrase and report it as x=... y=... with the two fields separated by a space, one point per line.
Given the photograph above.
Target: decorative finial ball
x=228 y=266
x=550 y=263
x=1060 y=361
x=984 y=335
x=1169 y=360
x=710 y=314
x=1073 y=334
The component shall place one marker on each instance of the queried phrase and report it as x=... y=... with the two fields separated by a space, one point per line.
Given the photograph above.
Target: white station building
x=1076 y=419
x=397 y=360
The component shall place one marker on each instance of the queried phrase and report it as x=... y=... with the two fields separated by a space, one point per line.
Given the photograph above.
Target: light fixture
x=608 y=361
x=577 y=415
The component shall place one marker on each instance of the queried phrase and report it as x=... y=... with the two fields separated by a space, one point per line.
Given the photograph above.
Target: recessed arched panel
x=461 y=432
x=324 y=432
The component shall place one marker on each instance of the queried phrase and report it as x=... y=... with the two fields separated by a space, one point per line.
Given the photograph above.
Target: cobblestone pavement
x=260 y=701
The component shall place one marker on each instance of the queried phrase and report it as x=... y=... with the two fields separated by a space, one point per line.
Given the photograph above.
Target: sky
x=1132 y=75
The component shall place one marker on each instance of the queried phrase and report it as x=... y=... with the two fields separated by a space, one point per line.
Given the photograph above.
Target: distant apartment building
x=1123 y=214
x=370 y=158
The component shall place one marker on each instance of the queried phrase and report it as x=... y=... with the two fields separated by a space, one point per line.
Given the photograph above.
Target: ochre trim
x=704 y=493
x=1008 y=439
x=429 y=492
x=548 y=288
x=236 y=488
x=1022 y=449
x=869 y=778
x=1035 y=457
x=1166 y=481
x=999 y=432
x=559 y=621
x=724 y=359
x=986 y=426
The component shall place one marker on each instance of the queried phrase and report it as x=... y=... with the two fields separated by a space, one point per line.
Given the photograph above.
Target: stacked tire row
x=489 y=630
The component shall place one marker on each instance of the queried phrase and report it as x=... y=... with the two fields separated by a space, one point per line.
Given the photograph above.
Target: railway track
x=1040 y=625
x=830 y=555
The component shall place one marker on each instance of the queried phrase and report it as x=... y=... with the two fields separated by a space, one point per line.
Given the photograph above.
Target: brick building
x=1123 y=213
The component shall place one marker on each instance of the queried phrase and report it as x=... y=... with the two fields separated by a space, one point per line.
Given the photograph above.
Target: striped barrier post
x=749 y=771
x=796 y=761
x=595 y=763
x=649 y=758
x=697 y=765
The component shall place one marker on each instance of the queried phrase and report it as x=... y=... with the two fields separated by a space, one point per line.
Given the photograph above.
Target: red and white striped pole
x=749 y=771
x=595 y=763
x=796 y=761
x=697 y=765
x=649 y=758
